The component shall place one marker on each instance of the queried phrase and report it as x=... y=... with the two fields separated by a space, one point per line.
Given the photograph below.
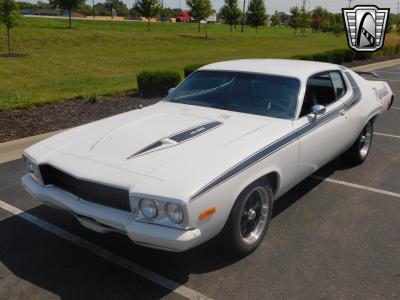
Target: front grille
x=89 y=191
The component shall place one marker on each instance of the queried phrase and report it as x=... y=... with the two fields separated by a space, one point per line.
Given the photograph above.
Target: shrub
x=191 y=68
x=323 y=57
x=337 y=56
x=397 y=49
x=363 y=55
x=389 y=50
x=303 y=57
x=157 y=83
x=378 y=53
x=349 y=55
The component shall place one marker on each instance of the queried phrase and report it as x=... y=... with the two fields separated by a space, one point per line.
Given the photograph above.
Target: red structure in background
x=184 y=17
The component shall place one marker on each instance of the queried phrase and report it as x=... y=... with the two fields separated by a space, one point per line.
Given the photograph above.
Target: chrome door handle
x=342 y=112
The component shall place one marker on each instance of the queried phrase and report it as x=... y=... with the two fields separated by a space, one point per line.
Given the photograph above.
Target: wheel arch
x=272 y=176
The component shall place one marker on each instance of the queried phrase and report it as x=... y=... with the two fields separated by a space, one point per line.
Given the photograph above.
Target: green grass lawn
x=103 y=57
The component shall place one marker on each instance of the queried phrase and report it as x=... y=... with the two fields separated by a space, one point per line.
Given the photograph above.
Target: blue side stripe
x=282 y=142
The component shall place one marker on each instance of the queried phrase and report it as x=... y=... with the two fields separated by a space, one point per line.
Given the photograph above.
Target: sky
x=280 y=5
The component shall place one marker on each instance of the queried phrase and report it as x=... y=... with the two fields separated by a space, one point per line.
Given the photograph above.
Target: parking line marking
x=105 y=254
x=388 y=135
x=395 y=107
x=357 y=186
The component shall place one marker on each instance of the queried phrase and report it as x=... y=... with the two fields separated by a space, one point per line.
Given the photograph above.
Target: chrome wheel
x=254 y=215
x=365 y=140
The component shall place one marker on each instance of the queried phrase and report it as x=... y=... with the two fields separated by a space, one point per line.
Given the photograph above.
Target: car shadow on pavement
x=35 y=264
x=57 y=266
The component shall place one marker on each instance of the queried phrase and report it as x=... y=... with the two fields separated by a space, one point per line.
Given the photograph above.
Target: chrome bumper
x=105 y=219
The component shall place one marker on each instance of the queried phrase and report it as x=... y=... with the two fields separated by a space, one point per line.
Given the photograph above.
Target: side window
x=320 y=90
x=338 y=84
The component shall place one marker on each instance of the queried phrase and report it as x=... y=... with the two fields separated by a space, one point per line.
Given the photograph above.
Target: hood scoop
x=178 y=138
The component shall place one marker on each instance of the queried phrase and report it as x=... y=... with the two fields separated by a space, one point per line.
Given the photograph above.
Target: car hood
x=168 y=140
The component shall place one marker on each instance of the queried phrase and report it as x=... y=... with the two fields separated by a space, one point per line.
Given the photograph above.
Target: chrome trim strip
x=282 y=142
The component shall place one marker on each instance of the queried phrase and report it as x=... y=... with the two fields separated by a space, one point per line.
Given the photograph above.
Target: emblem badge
x=365 y=26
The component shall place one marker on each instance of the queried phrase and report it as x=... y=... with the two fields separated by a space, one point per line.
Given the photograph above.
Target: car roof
x=300 y=69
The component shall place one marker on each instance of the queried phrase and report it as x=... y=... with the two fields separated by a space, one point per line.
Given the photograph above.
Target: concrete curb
x=13 y=149
x=377 y=65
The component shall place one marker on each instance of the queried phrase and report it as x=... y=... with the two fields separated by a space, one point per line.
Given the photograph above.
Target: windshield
x=265 y=95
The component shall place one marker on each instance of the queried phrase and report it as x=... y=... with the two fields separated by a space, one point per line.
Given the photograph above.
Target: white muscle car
x=213 y=156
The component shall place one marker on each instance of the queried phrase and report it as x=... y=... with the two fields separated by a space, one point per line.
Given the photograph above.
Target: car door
x=323 y=137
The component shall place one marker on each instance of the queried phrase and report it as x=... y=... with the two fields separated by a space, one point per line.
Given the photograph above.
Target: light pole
x=93 y=8
x=244 y=7
x=162 y=11
x=350 y=3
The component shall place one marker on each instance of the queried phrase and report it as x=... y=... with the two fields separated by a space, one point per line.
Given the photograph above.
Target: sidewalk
x=13 y=149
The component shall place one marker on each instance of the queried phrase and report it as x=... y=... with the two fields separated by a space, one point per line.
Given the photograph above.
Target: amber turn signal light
x=206 y=213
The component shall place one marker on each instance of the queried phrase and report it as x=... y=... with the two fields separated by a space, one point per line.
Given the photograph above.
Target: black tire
x=234 y=236
x=358 y=153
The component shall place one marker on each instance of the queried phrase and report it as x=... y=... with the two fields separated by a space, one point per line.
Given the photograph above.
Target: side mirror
x=171 y=90
x=318 y=110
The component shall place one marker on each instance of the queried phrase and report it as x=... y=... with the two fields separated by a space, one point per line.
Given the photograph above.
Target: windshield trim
x=166 y=99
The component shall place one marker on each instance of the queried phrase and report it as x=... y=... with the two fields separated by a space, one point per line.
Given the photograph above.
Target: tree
x=200 y=10
x=100 y=9
x=168 y=13
x=304 y=20
x=231 y=12
x=119 y=6
x=9 y=15
x=85 y=9
x=275 y=19
x=295 y=20
x=320 y=19
x=316 y=21
x=68 y=5
x=338 y=26
x=148 y=9
x=256 y=13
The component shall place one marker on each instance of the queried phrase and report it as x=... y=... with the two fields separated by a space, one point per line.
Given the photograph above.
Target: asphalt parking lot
x=337 y=238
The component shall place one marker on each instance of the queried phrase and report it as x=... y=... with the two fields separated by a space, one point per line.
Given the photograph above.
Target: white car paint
x=207 y=171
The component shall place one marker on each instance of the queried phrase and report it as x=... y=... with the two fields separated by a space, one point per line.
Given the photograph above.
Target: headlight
x=32 y=167
x=29 y=164
x=148 y=208
x=174 y=213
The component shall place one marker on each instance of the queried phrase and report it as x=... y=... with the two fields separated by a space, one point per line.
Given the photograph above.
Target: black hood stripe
x=180 y=137
x=193 y=132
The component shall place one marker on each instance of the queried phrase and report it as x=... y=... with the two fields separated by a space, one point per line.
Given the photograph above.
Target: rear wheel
x=249 y=219
x=360 y=149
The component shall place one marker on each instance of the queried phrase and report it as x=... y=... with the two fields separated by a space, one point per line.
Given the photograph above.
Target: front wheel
x=249 y=219
x=360 y=149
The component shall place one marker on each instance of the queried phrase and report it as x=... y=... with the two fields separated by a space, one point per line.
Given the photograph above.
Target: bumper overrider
x=105 y=219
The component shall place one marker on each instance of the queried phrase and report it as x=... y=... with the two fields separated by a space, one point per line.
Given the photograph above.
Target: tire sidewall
x=232 y=234
x=361 y=159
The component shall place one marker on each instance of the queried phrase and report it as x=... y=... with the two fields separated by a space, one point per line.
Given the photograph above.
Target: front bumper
x=105 y=219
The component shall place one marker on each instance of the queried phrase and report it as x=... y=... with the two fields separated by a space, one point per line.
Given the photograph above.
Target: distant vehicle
x=213 y=156
x=184 y=17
